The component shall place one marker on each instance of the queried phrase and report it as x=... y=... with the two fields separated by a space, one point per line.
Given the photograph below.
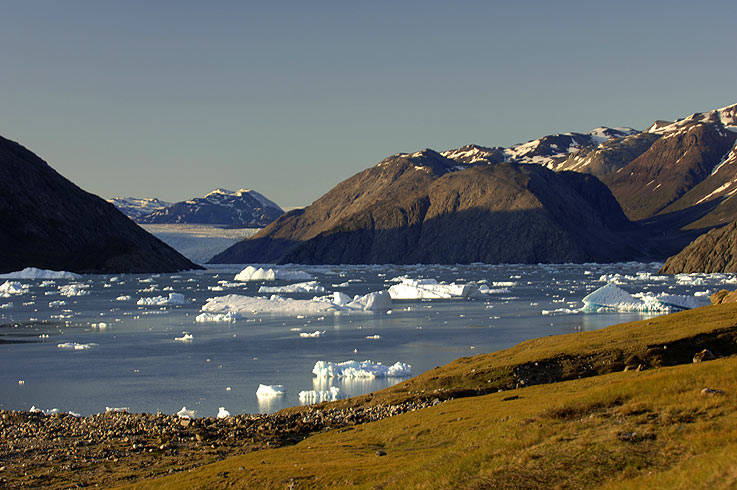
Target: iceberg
x=238 y=306
x=310 y=397
x=74 y=289
x=186 y=337
x=312 y=335
x=300 y=287
x=270 y=391
x=172 y=299
x=11 y=288
x=186 y=414
x=612 y=297
x=429 y=289
x=251 y=273
x=34 y=273
x=76 y=346
x=222 y=413
x=217 y=317
x=360 y=369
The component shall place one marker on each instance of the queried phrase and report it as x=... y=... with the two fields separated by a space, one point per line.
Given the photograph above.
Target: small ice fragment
x=116 y=409
x=313 y=335
x=270 y=391
x=222 y=413
x=186 y=414
x=187 y=337
x=310 y=397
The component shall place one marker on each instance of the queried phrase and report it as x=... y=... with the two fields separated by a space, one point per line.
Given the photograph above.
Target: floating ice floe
x=34 y=273
x=270 y=391
x=217 y=317
x=429 y=289
x=76 y=346
x=74 y=289
x=5 y=305
x=12 y=288
x=312 y=335
x=310 y=397
x=222 y=413
x=116 y=409
x=172 y=299
x=187 y=337
x=53 y=304
x=613 y=298
x=620 y=279
x=186 y=414
x=238 y=306
x=360 y=369
x=123 y=297
x=300 y=287
x=251 y=273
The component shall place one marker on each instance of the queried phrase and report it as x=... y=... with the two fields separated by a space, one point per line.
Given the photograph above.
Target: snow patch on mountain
x=135 y=208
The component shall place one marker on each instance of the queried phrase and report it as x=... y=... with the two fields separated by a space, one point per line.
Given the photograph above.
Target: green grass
x=641 y=430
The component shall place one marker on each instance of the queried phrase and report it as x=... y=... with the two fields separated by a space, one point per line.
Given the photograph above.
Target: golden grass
x=640 y=430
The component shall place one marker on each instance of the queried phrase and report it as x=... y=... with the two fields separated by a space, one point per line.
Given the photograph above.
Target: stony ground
x=62 y=451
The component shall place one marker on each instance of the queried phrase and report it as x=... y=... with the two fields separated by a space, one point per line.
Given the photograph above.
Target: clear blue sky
x=174 y=98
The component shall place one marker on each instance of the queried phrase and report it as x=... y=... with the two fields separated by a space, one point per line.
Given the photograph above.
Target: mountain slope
x=715 y=251
x=425 y=208
x=48 y=222
x=241 y=209
x=134 y=207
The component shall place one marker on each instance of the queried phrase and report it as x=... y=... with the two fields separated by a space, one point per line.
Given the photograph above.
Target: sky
x=172 y=99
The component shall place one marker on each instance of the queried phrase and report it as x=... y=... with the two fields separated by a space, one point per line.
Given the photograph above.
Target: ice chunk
x=611 y=297
x=53 y=304
x=116 y=409
x=186 y=337
x=186 y=414
x=74 y=289
x=429 y=289
x=310 y=397
x=300 y=287
x=217 y=317
x=360 y=369
x=172 y=299
x=34 y=273
x=9 y=288
x=222 y=413
x=250 y=273
x=6 y=305
x=76 y=346
x=313 y=335
x=123 y=297
x=270 y=391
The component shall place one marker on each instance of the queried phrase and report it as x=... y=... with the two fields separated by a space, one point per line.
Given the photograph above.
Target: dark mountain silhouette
x=48 y=222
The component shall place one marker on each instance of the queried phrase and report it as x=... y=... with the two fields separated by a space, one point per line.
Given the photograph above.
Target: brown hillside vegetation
x=650 y=427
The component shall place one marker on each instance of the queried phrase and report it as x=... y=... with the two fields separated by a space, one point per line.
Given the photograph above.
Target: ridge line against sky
x=172 y=99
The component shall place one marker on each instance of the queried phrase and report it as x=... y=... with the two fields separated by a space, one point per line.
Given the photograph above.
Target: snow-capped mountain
x=134 y=207
x=243 y=208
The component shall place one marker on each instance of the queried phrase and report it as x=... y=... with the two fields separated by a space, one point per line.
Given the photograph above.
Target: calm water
x=138 y=364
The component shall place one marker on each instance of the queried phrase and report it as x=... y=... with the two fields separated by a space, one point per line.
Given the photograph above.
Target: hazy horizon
x=174 y=99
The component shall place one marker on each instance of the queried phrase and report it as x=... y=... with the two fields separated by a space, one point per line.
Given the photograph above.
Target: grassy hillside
x=651 y=428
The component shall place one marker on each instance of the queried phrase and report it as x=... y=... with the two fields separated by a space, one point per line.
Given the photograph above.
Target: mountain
x=135 y=208
x=715 y=251
x=426 y=208
x=48 y=222
x=240 y=209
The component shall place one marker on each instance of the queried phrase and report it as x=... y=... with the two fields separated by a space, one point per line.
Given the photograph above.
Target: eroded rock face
x=48 y=222
x=715 y=251
x=422 y=208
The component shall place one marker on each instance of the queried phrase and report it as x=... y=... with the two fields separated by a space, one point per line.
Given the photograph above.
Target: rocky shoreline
x=64 y=451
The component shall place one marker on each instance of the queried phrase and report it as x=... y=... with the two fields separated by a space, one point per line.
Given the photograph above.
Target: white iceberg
x=217 y=317
x=270 y=391
x=239 y=306
x=34 y=273
x=123 y=297
x=12 y=288
x=74 y=289
x=251 y=273
x=312 y=335
x=429 y=289
x=222 y=413
x=76 y=346
x=613 y=298
x=172 y=299
x=186 y=337
x=116 y=409
x=300 y=287
x=360 y=369
x=186 y=414
x=310 y=397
